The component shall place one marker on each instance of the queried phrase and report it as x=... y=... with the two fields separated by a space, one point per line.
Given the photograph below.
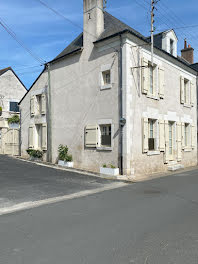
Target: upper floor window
x=106 y=77
x=171 y=47
x=14 y=107
x=186 y=91
x=151 y=79
x=39 y=103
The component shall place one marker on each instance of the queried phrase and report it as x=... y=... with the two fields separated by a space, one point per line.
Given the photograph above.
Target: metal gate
x=12 y=142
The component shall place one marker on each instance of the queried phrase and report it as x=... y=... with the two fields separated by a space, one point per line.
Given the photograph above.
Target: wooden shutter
x=32 y=105
x=145 y=76
x=183 y=135
x=31 y=137
x=161 y=136
x=193 y=136
x=43 y=104
x=145 y=135
x=161 y=83
x=182 y=90
x=44 y=136
x=166 y=154
x=91 y=136
x=192 y=93
x=179 y=141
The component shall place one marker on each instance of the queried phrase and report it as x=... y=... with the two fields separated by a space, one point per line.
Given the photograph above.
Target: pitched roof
x=194 y=66
x=2 y=71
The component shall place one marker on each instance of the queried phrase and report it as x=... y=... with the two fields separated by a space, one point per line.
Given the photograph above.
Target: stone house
x=11 y=92
x=102 y=97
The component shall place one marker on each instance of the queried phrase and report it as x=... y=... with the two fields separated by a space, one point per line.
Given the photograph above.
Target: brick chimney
x=93 y=20
x=187 y=53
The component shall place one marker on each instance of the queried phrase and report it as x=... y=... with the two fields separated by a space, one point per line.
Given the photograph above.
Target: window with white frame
x=39 y=104
x=187 y=134
x=171 y=46
x=105 y=132
x=186 y=91
x=106 y=75
x=152 y=135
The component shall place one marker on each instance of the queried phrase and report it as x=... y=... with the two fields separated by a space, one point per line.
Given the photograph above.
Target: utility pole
x=152 y=30
x=153 y=3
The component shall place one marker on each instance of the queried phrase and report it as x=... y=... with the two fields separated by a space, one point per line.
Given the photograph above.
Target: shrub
x=14 y=119
x=112 y=166
x=104 y=165
x=35 y=153
x=63 y=153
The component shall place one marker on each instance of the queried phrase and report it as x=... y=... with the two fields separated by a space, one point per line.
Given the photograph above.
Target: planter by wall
x=109 y=171
x=66 y=163
x=35 y=159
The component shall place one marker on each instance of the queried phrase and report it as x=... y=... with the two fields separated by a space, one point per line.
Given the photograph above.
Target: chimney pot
x=185 y=44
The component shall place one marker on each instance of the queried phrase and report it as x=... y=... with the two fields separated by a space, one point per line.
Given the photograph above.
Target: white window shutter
x=166 y=154
x=32 y=105
x=91 y=136
x=161 y=83
x=161 y=136
x=31 y=137
x=145 y=76
x=145 y=135
x=193 y=136
x=44 y=136
x=183 y=136
x=182 y=89
x=192 y=93
x=43 y=104
x=179 y=141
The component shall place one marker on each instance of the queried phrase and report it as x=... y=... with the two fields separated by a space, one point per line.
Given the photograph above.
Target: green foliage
x=112 y=166
x=14 y=119
x=1 y=108
x=104 y=165
x=35 y=153
x=63 y=153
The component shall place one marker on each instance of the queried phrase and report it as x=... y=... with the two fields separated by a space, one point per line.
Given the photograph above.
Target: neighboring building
x=11 y=92
x=110 y=106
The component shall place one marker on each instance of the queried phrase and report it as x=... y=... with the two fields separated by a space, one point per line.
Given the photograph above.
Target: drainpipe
x=121 y=111
x=49 y=117
x=20 y=142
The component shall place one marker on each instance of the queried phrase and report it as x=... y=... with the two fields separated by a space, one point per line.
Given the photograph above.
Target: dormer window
x=171 y=47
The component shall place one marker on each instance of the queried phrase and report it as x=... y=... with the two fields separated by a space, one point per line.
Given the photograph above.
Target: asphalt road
x=24 y=182
x=153 y=222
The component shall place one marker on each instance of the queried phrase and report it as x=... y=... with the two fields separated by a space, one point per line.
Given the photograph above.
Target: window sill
x=187 y=149
x=187 y=105
x=105 y=148
x=105 y=87
x=152 y=97
x=154 y=152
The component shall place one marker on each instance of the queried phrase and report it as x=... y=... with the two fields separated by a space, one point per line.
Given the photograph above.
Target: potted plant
x=14 y=121
x=1 y=109
x=109 y=170
x=64 y=159
x=35 y=154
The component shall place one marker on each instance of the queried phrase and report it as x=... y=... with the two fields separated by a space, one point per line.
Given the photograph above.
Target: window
x=106 y=77
x=171 y=47
x=151 y=79
x=39 y=104
x=14 y=107
x=186 y=91
x=152 y=134
x=187 y=134
x=105 y=135
x=39 y=136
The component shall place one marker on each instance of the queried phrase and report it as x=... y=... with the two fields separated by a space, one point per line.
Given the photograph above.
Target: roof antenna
x=105 y=4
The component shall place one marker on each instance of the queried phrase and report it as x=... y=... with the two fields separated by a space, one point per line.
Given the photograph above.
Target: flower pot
x=14 y=125
x=68 y=164
x=109 y=171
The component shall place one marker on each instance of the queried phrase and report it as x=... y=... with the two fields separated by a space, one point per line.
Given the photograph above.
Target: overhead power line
x=13 y=35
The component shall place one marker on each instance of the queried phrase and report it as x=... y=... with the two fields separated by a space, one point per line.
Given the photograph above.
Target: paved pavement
x=153 y=222
x=23 y=182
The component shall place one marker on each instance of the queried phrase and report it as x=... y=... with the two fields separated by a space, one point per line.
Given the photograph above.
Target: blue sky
x=46 y=34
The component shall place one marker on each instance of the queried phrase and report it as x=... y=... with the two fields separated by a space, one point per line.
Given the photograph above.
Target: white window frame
x=155 y=94
x=104 y=69
x=187 y=137
x=38 y=104
x=101 y=123
x=186 y=91
x=156 y=150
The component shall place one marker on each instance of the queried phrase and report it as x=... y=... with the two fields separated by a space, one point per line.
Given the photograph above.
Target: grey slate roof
x=112 y=26
x=194 y=66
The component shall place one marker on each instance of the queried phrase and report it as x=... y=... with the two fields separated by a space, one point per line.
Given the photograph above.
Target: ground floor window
x=187 y=134
x=152 y=134
x=105 y=131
